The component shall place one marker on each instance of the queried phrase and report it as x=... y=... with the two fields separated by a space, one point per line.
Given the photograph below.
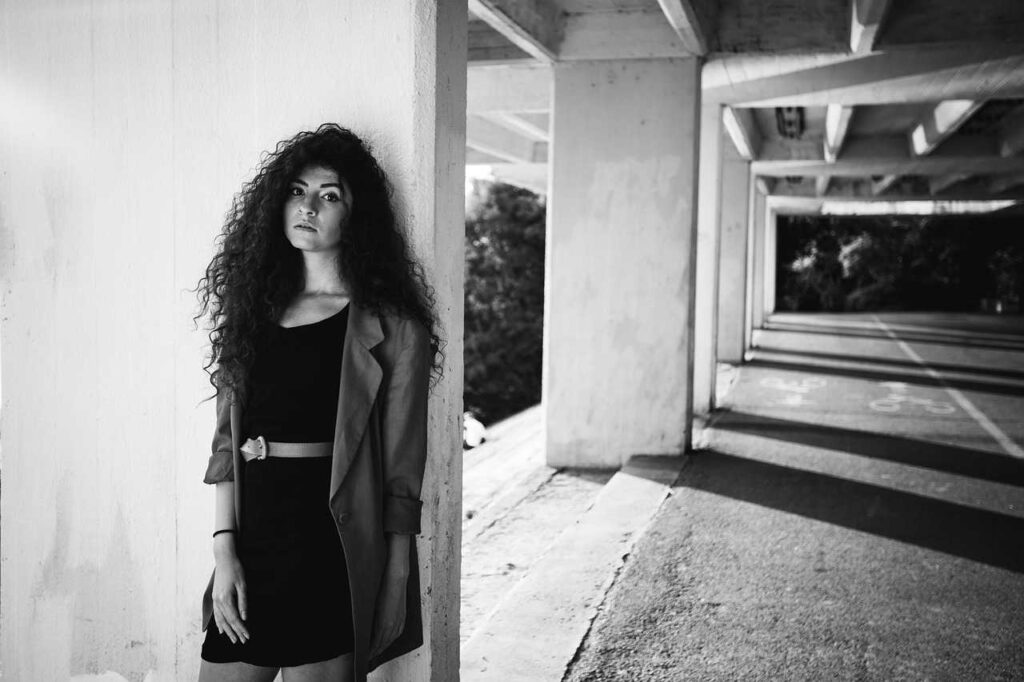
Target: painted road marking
x=796 y=389
x=898 y=395
x=1004 y=441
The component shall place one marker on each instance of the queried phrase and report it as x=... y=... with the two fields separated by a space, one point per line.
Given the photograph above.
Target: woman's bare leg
x=235 y=672
x=335 y=670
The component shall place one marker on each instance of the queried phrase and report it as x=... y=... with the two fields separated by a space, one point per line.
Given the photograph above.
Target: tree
x=504 y=302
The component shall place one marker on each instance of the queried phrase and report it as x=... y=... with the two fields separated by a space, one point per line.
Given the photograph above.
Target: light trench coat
x=380 y=448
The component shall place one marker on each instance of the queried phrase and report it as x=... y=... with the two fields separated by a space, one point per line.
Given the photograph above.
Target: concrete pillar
x=124 y=131
x=620 y=249
x=770 y=265
x=754 y=200
x=732 y=280
x=709 y=207
x=759 y=222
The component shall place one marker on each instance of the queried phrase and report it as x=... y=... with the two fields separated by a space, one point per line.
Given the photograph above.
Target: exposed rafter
x=534 y=26
x=890 y=77
x=743 y=130
x=490 y=138
x=518 y=124
x=1011 y=134
x=764 y=185
x=855 y=166
x=821 y=185
x=941 y=183
x=687 y=24
x=508 y=88
x=837 y=122
x=866 y=23
x=939 y=123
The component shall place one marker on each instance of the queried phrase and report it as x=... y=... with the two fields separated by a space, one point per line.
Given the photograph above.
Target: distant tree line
x=943 y=262
x=504 y=300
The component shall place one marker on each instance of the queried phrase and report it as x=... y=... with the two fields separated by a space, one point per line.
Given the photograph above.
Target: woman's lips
x=303 y=226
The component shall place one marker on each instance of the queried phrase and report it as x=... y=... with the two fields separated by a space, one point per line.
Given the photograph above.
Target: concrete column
x=770 y=265
x=709 y=207
x=732 y=281
x=124 y=131
x=620 y=250
x=754 y=199
x=759 y=223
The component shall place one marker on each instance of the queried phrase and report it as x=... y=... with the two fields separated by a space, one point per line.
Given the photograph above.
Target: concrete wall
x=759 y=224
x=709 y=209
x=619 y=266
x=124 y=130
x=732 y=273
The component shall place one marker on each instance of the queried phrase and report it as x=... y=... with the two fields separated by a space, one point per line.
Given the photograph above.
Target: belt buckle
x=261 y=447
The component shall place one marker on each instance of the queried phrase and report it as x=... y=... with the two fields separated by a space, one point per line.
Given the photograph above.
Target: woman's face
x=318 y=205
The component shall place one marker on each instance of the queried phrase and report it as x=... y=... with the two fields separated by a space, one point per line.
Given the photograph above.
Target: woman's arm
x=229 y=602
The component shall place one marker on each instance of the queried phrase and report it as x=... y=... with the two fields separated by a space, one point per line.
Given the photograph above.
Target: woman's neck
x=320 y=274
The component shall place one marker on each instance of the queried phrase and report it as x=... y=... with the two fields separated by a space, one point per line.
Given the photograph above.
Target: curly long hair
x=256 y=272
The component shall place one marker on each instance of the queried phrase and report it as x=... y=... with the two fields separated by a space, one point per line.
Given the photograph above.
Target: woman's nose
x=307 y=205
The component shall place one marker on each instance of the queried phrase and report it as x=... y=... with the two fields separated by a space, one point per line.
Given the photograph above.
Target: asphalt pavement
x=858 y=514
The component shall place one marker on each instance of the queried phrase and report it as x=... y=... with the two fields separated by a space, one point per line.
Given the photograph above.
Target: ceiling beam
x=517 y=124
x=890 y=77
x=494 y=140
x=837 y=122
x=880 y=186
x=534 y=26
x=940 y=183
x=508 y=88
x=743 y=130
x=620 y=35
x=821 y=185
x=685 y=21
x=939 y=123
x=927 y=165
x=866 y=23
x=1011 y=134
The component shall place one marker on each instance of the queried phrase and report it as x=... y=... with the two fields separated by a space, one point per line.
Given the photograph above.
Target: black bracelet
x=223 y=530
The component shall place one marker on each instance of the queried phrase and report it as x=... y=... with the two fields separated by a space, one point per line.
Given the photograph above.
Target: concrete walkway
x=858 y=515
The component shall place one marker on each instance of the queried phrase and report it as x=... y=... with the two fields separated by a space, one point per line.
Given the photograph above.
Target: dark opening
x=955 y=263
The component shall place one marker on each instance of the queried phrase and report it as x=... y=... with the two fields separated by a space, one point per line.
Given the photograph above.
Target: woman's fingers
x=232 y=622
x=222 y=623
x=242 y=601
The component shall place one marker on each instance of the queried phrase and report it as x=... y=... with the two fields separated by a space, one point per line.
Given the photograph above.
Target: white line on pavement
x=961 y=400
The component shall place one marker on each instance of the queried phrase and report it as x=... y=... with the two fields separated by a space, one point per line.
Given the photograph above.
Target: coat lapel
x=361 y=375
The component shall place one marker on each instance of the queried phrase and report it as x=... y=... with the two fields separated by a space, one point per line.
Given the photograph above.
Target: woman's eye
x=331 y=196
x=295 y=191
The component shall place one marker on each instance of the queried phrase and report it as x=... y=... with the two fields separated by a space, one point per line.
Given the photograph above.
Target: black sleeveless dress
x=299 y=607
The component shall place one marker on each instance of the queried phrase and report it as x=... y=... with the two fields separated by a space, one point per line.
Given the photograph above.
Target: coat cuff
x=402 y=515
x=220 y=468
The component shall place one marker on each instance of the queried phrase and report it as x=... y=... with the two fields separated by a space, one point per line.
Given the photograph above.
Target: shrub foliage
x=504 y=305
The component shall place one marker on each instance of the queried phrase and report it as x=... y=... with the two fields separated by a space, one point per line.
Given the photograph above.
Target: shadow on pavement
x=975 y=534
x=908 y=364
x=882 y=375
x=978 y=464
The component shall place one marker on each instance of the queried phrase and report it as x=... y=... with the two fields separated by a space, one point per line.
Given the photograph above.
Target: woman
x=323 y=341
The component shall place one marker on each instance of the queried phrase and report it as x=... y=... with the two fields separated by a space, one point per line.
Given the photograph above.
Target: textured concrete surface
x=535 y=629
x=125 y=128
x=821 y=538
x=615 y=348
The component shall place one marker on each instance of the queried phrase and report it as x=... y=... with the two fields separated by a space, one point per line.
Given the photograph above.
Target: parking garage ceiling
x=877 y=99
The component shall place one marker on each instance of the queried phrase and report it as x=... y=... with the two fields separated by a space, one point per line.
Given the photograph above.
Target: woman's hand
x=229 y=603
x=389 y=619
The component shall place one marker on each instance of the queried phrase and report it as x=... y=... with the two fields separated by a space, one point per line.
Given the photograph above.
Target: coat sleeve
x=221 y=465
x=404 y=429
